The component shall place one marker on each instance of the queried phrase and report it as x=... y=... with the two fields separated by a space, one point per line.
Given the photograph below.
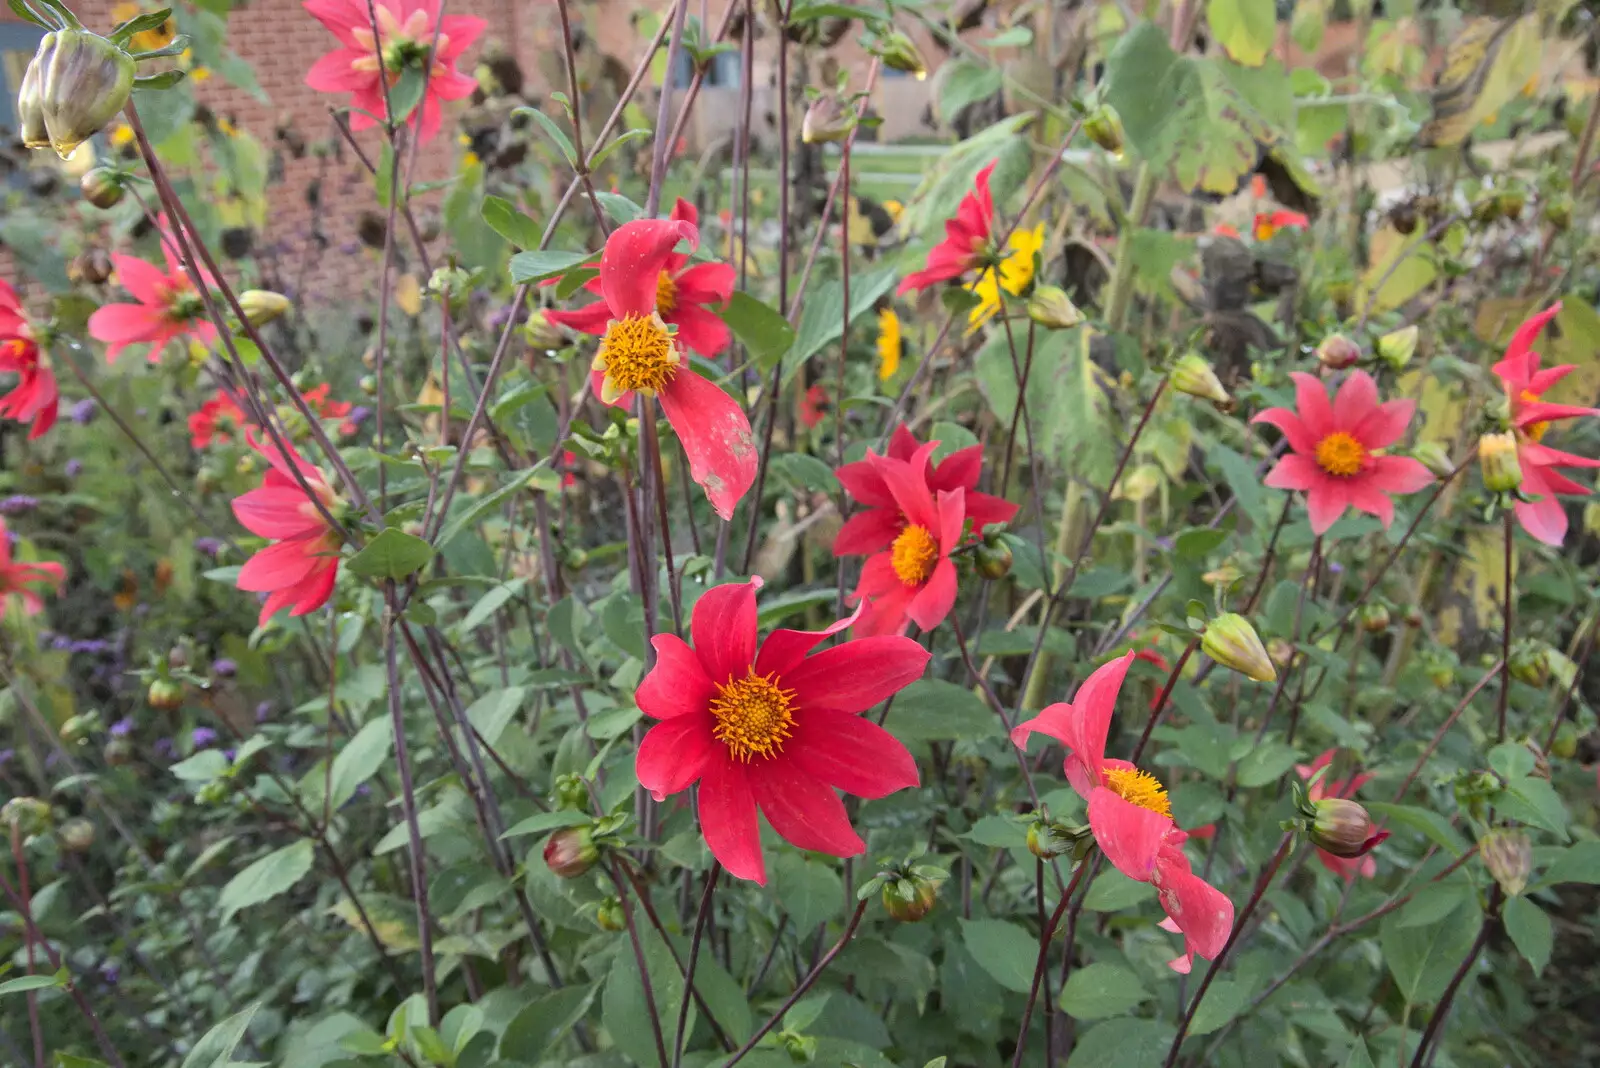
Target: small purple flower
x=165 y=748
x=350 y=248
x=17 y=504
x=263 y=711
x=224 y=668
x=83 y=411
x=110 y=973
x=92 y=646
x=6 y=755
x=61 y=641
x=122 y=727
x=203 y=737
x=208 y=546
x=74 y=467
x=229 y=754
x=358 y=415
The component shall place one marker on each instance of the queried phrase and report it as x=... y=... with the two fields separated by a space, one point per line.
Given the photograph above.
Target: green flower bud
x=1051 y=308
x=1338 y=352
x=802 y=1049
x=77 y=835
x=1048 y=839
x=1374 y=618
x=102 y=186
x=1192 y=375
x=1104 y=128
x=1397 y=348
x=993 y=557
x=610 y=917
x=570 y=852
x=910 y=897
x=542 y=334
x=82 y=80
x=1530 y=663
x=77 y=729
x=898 y=52
x=827 y=119
x=1432 y=455
x=570 y=792
x=1231 y=641
x=1497 y=457
x=261 y=306
x=212 y=793
x=1343 y=828
x=1508 y=854
x=27 y=814
x=1565 y=745
x=165 y=694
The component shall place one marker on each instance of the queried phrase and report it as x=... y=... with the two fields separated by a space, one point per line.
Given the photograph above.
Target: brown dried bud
x=1508 y=854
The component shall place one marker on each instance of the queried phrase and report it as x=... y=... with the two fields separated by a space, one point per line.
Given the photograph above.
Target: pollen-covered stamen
x=1139 y=788
x=1534 y=431
x=914 y=554
x=666 y=294
x=1341 y=455
x=638 y=352
x=753 y=716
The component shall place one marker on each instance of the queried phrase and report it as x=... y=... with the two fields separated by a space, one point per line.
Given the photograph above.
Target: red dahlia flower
x=20 y=579
x=1335 y=454
x=1347 y=868
x=35 y=399
x=1131 y=815
x=1531 y=417
x=1269 y=223
x=216 y=422
x=317 y=400
x=684 y=296
x=167 y=307
x=406 y=31
x=772 y=728
x=299 y=568
x=641 y=352
x=967 y=240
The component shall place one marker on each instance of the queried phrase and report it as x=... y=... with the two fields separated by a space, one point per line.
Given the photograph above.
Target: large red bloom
x=35 y=398
x=1525 y=384
x=1335 y=454
x=299 y=568
x=167 y=307
x=23 y=580
x=967 y=239
x=772 y=728
x=216 y=421
x=1347 y=868
x=684 y=296
x=1130 y=814
x=641 y=352
x=406 y=38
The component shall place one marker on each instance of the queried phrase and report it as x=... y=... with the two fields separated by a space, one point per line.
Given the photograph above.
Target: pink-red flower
x=406 y=40
x=968 y=242
x=317 y=400
x=1269 y=223
x=299 y=568
x=640 y=352
x=1131 y=815
x=1335 y=448
x=768 y=727
x=167 y=307
x=813 y=407
x=216 y=422
x=35 y=398
x=1347 y=868
x=684 y=297
x=1525 y=385
x=25 y=580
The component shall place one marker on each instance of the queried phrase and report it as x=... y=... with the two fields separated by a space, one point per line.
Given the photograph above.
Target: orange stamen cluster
x=753 y=716
x=914 y=554
x=638 y=352
x=1139 y=788
x=1341 y=455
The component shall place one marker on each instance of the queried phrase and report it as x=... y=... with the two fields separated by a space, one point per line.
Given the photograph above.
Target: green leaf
x=809 y=890
x=1225 y=1000
x=600 y=157
x=1246 y=29
x=822 y=314
x=470 y=516
x=360 y=759
x=1511 y=760
x=1534 y=801
x=265 y=879
x=1122 y=1043
x=1102 y=989
x=204 y=766
x=1197 y=543
x=806 y=472
x=1004 y=950
x=622 y=1007
x=1580 y=863
x=1422 y=959
x=930 y=710
x=964 y=82
x=1266 y=763
x=765 y=332
x=216 y=1046
x=505 y=219
x=1114 y=891
x=540 y=822
x=393 y=554
x=557 y=136
x=1068 y=407
x=494 y=711
x=490 y=603
x=406 y=94
x=1530 y=931
x=538 y=264
x=1437 y=829
x=533 y=1033
x=24 y=983
x=1433 y=903
x=124 y=31
x=1359 y=1057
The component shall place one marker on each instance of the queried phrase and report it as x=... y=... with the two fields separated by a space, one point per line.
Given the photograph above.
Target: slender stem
x=1043 y=962
x=1438 y=735
x=644 y=968
x=1507 y=620
x=694 y=958
x=658 y=161
x=1160 y=706
x=1443 y=1011
x=26 y=896
x=1120 y=296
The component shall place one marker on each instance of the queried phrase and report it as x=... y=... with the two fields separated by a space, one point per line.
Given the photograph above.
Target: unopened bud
x=77 y=729
x=1343 y=828
x=165 y=694
x=993 y=557
x=1432 y=455
x=570 y=792
x=1565 y=745
x=1048 y=839
x=1192 y=374
x=1374 y=618
x=77 y=835
x=542 y=334
x=1530 y=663
x=1397 y=348
x=1231 y=641
x=27 y=814
x=1497 y=457
x=910 y=898
x=610 y=916
x=76 y=82
x=450 y=283
x=1338 y=352
x=827 y=119
x=802 y=1049
x=1508 y=854
x=570 y=852
x=898 y=52
x=261 y=306
x=1104 y=128
x=102 y=186
x=1051 y=308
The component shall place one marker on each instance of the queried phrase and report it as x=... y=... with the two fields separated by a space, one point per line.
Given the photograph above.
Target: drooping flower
x=166 y=307
x=684 y=297
x=1014 y=275
x=1525 y=385
x=1347 y=868
x=1130 y=814
x=35 y=398
x=890 y=343
x=299 y=568
x=966 y=245
x=25 y=580
x=217 y=421
x=770 y=727
x=406 y=41
x=1335 y=448
x=639 y=352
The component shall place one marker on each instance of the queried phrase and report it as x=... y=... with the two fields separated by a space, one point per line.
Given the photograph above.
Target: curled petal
x=1130 y=836
x=634 y=256
x=728 y=819
x=724 y=630
x=716 y=437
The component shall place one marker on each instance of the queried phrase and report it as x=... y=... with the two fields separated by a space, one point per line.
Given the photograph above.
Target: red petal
x=1545 y=519
x=705 y=283
x=1311 y=405
x=333 y=73
x=1399 y=474
x=724 y=630
x=959 y=470
x=905 y=481
x=1325 y=503
x=1294 y=472
x=1203 y=912
x=867 y=532
x=674 y=754
x=270 y=512
x=1356 y=400
x=278 y=566
x=852 y=753
x=784 y=649
x=700 y=330
x=589 y=319
x=863 y=482
x=677 y=685
x=984 y=510
x=806 y=813
x=1130 y=836
x=1386 y=424
x=634 y=256
x=902 y=443
x=933 y=602
x=855 y=676
x=1300 y=439
x=716 y=437
x=147 y=282
x=728 y=819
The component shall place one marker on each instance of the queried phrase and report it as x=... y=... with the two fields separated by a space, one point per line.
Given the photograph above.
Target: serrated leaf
x=762 y=330
x=536 y=265
x=822 y=314
x=393 y=554
x=268 y=877
x=507 y=220
x=1246 y=29
x=1422 y=959
x=931 y=710
x=1530 y=930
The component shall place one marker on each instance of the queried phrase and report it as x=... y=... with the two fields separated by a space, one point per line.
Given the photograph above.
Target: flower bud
x=827 y=119
x=1104 y=128
x=27 y=814
x=1558 y=212
x=1343 y=828
x=910 y=898
x=1413 y=616
x=993 y=557
x=570 y=852
x=212 y=793
x=1397 y=348
x=102 y=187
x=1338 y=352
x=1374 y=618
x=542 y=334
x=91 y=265
x=165 y=694
x=610 y=917
x=77 y=729
x=1231 y=641
x=1565 y=745
x=82 y=81
x=1048 y=839
x=1051 y=308
x=1432 y=455
x=1192 y=374
x=1530 y=663
x=77 y=835
x=899 y=53
x=261 y=306
x=118 y=752
x=1508 y=854
x=1497 y=457
x=570 y=792
x=802 y=1049
x=30 y=111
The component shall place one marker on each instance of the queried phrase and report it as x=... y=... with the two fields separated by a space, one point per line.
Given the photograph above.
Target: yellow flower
x=890 y=344
x=469 y=160
x=199 y=74
x=894 y=208
x=1015 y=276
x=121 y=134
x=227 y=128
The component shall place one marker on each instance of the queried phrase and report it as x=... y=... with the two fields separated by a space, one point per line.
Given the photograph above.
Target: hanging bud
x=1508 y=854
x=77 y=729
x=1397 y=347
x=1051 y=308
x=102 y=187
x=993 y=557
x=91 y=265
x=1343 y=828
x=540 y=333
x=27 y=814
x=570 y=852
x=165 y=694
x=30 y=111
x=1104 y=128
x=77 y=835
x=261 y=306
x=82 y=81
x=1432 y=455
x=911 y=897
x=1374 y=618
x=1231 y=641
x=1338 y=352
x=1497 y=457
x=827 y=119
x=1530 y=663
x=1192 y=374
x=610 y=916
x=898 y=52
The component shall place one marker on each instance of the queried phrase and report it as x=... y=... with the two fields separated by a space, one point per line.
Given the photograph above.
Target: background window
x=18 y=41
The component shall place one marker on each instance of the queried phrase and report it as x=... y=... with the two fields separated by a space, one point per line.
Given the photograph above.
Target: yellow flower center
x=1533 y=430
x=753 y=716
x=1139 y=788
x=1340 y=454
x=666 y=294
x=914 y=553
x=639 y=352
